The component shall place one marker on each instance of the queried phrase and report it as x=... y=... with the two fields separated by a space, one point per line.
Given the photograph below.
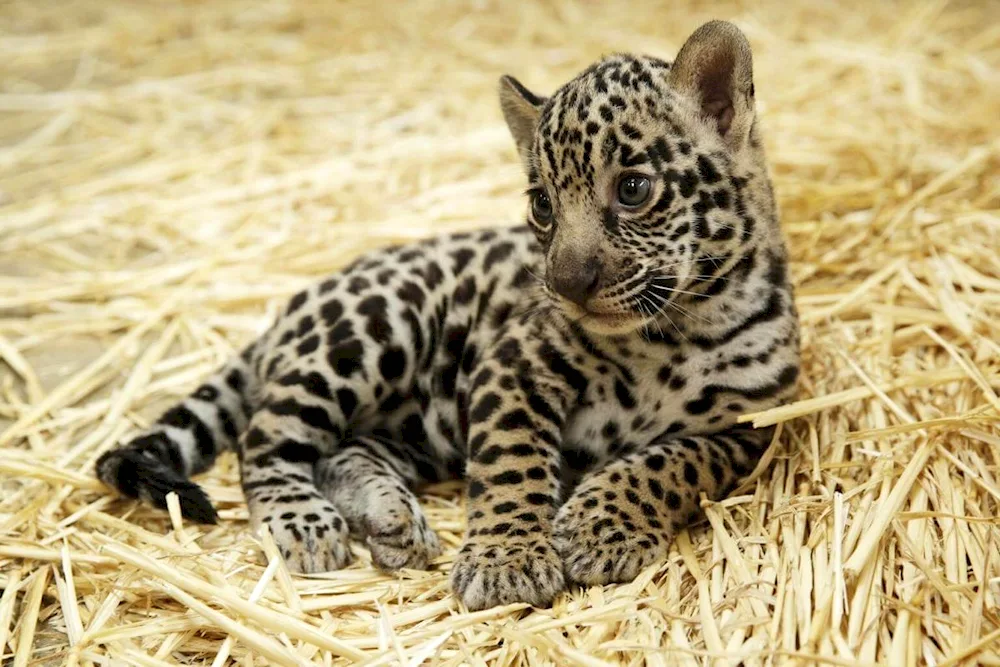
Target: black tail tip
x=195 y=505
x=139 y=475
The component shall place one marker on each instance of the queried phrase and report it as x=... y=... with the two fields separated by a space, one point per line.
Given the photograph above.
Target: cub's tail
x=184 y=441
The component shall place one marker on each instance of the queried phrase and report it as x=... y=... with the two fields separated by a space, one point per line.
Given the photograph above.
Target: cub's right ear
x=521 y=109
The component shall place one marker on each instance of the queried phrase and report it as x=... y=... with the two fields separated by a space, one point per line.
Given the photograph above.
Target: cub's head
x=646 y=180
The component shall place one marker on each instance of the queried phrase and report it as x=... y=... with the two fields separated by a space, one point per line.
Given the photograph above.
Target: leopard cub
x=584 y=371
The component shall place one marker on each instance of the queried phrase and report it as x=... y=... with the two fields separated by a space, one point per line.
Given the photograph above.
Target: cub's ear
x=521 y=109
x=715 y=69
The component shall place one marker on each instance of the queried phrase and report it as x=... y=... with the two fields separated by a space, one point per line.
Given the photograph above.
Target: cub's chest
x=634 y=406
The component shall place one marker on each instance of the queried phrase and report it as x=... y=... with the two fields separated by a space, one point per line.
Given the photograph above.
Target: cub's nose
x=576 y=280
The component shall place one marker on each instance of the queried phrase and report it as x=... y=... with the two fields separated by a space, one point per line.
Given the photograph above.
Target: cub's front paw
x=601 y=544
x=312 y=541
x=488 y=575
x=399 y=537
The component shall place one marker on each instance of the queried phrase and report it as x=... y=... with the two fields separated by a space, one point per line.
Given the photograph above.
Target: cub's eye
x=541 y=207
x=633 y=190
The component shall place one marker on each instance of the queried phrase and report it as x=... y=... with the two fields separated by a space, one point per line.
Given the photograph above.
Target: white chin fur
x=605 y=325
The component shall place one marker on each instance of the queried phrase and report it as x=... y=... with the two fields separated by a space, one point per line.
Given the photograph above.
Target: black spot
x=481 y=378
x=358 y=284
x=342 y=331
x=465 y=291
x=501 y=314
x=508 y=352
x=296 y=452
x=673 y=500
x=411 y=293
x=558 y=365
x=235 y=380
x=485 y=407
x=690 y=474
x=462 y=257
x=707 y=170
x=433 y=275
x=310 y=415
x=296 y=302
x=623 y=394
x=331 y=311
x=312 y=382
x=687 y=183
x=535 y=473
x=490 y=455
x=476 y=443
x=514 y=419
x=346 y=358
x=507 y=477
x=308 y=345
x=347 y=399
x=392 y=363
x=497 y=253
x=372 y=305
x=306 y=324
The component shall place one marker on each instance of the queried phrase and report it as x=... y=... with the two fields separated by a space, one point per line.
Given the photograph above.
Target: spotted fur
x=584 y=371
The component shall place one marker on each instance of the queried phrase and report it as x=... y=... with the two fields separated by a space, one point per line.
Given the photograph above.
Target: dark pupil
x=633 y=190
x=542 y=207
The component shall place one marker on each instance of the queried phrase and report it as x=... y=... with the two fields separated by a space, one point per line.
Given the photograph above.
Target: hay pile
x=170 y=172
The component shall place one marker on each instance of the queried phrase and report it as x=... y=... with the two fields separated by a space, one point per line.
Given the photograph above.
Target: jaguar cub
x=583 y=371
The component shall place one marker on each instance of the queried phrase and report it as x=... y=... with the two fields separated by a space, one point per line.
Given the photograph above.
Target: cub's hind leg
x=623 y=517
x=293 y=429
x=369 y=480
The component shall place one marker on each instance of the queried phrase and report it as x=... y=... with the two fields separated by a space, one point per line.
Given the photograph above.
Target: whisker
x=687 y=261
x=654 y=315
x=673 y=290
x=682 y=310
x=689 y=314
x=660 y=312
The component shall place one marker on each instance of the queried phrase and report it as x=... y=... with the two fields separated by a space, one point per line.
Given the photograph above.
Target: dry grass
x=170 y=172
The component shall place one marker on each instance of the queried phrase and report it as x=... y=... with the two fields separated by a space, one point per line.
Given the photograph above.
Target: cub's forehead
x=603 y=118
x=614 y=83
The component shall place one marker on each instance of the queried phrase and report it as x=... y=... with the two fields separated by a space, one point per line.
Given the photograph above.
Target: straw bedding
x=170 y=172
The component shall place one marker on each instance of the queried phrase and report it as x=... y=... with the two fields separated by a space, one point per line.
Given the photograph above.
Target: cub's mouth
x=605 y=319
x=638 y=305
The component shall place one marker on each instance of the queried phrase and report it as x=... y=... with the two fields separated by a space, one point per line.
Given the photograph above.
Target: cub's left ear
x=521 y=109
x=715 y=69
